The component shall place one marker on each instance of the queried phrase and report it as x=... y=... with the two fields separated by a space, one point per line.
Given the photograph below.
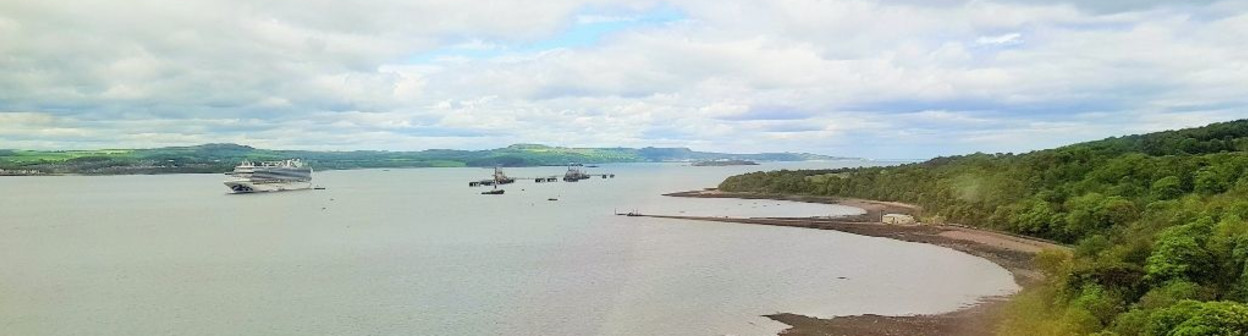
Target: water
x=417 y=252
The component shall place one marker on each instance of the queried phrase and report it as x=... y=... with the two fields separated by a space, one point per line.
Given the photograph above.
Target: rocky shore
x=1014 y=253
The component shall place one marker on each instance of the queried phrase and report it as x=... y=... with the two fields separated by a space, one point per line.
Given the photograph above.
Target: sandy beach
x=1012 y=252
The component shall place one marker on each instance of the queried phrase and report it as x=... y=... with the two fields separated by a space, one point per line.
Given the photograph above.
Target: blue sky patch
x=588 y=28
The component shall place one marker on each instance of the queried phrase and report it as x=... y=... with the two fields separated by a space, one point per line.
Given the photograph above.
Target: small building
x=899 y=219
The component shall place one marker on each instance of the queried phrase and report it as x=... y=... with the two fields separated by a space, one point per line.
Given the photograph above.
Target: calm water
x=417 y=252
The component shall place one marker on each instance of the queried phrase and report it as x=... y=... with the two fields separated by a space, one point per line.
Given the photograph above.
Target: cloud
x=769 y=113
x=596 y=19
x=1093 y=7
x=1000 y=40
x=891 y=79
x=948 y=117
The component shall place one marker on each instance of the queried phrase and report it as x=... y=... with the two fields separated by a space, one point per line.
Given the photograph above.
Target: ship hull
x=245 y=187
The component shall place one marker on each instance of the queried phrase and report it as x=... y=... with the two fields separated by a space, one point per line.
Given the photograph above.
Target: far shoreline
x=136 y=172
x=1012 y=252
x=315 y=169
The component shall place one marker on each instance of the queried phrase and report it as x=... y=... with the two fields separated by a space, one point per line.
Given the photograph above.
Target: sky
x=880 y=79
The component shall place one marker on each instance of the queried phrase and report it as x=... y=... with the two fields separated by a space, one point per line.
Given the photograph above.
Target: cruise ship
x=285 y=175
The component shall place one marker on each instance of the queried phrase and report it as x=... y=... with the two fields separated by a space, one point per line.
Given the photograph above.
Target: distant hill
x=213 y=158
x=719 y=163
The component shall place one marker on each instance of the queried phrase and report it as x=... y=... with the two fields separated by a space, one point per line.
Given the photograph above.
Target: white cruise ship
x=286 y=175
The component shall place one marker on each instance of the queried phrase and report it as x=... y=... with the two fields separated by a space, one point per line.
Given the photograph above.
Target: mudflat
x=1012 y=252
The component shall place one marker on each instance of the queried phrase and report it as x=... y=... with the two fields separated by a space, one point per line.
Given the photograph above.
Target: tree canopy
x=1157 y=221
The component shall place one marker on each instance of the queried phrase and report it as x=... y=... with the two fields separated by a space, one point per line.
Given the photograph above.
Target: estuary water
x=417 y=252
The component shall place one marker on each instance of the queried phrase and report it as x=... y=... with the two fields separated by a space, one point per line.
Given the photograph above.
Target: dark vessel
x=498 y=178
x=576 y=173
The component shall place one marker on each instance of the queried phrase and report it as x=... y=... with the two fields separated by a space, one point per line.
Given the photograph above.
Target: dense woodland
x=1157 y=222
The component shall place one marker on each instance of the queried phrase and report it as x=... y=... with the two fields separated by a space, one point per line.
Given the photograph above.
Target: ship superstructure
x=282 y=175
x=498 y=178
x=575 y=173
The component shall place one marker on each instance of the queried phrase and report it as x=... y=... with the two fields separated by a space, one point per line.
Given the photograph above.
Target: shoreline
x=4 y=172
x=1012 y=252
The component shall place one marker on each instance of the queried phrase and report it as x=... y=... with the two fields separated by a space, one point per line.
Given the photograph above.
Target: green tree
x=1168 y=187
x=1193 y=318
x=1179 y=255
x=1209 y=181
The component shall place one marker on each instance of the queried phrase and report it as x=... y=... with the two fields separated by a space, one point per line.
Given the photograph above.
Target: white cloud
x=596 y=19
x=948 y=117
x=898 y=79
x=1001 y=40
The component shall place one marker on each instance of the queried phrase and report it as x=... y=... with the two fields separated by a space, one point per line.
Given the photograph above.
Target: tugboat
x=498 y=178
x=575 y=173
x=496 y=190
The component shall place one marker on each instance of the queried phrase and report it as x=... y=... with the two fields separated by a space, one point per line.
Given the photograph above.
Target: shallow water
x=417 y=252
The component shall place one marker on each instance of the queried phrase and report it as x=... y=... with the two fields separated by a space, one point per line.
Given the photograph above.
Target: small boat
x=633 y=213
x=493 y=192
x=552 y=199
x=318 y=188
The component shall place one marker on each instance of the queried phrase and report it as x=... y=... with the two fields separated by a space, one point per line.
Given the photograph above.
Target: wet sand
x=1014 y=253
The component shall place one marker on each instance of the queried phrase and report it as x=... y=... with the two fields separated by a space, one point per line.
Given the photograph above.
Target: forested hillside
x=212 y=158
x=1157 y=222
